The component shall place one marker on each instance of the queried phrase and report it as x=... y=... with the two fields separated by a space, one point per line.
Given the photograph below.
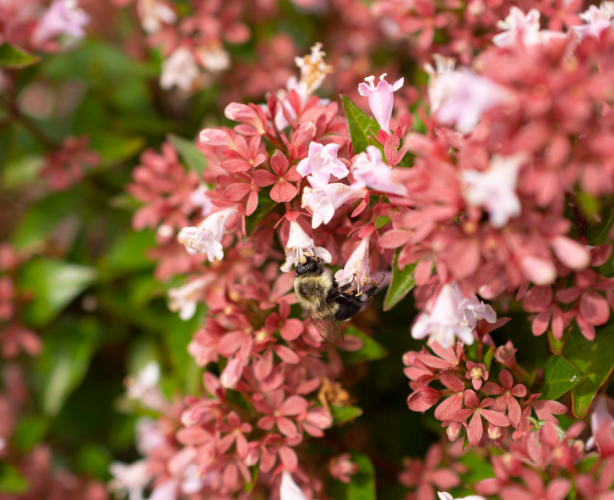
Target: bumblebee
x=325 y=302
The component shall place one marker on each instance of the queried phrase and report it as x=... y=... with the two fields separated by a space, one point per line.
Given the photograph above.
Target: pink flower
x=381 y=98
x=207 y=237
x=299 y=243
x=370 y=171
x=495 y=189
x=455 y=402
x=324 y=200
x=236 y=430
x=356 y=269
x=442 y=81
x=507 y=392
x=321 y=163
x=288 y=489
x=425 y=477
x=278 y=410
x=557 y=489
x=341 y=468
x=469 y=97
x=252 y=118
x=477 y=410
x=282 y=190
x=244 y=155
x=64 y=17
x=476 y=372
x=597 y=20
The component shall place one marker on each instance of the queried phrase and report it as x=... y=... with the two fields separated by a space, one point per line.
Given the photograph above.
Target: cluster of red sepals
x=556 y=117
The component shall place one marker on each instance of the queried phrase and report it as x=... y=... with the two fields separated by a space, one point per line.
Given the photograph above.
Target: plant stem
x=28 y=124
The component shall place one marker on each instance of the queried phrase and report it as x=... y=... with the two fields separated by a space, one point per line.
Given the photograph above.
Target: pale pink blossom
x=144 y=387
x=446 y=496
x=495 y=188
x=466 y=97
x=216 y=137
x=342 y=467
x=597 y=20
x=64 y=17
x=289 y=490
x=452 y=316
x=300 y=243
x=207 y=237
x=381 y=98
x=185 y=298
x=518 y=26
x=213 y=57
x=600 y=415
x=232 y=374
x=154 y=14
x=181 y=70
x=199 y=198
x=149 y=435
x=571 y=253
x=313 y=72
x=130 y=479
x=442 y=80
x=370 y=171
x=324 y=200
x=356 y=269
x=321 y=163
x=539 y=271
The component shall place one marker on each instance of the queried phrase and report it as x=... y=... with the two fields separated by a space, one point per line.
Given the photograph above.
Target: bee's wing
x=324 y=319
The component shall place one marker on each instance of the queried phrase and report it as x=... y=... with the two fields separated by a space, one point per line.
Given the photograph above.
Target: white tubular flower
x=207 y=237
x=356 y=269
x=300 y=243
x=144 y=387
x=185 y=298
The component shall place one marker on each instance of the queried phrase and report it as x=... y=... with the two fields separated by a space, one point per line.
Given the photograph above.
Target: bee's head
x=309 y=264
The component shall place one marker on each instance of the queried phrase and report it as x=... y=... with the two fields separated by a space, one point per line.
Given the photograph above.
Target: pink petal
x=394 y=238
x=264 y=178
x=286 y=427
x=571 y=253
x=594 y=308
x=558 y=489
x=287 y=354
x=294 y=405
x=291 y=329
x=289 y=458
x=283 y=191
x=475 y=430
x=279 y=163
x=495 y=418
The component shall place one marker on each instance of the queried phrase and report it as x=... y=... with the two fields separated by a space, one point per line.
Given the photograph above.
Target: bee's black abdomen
x=348 y=304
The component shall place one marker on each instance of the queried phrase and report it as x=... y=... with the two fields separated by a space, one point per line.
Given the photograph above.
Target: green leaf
x=597 y=231
x=93 y=459
x=65 y=360
x=12 y=57
x=190 y=154
x=128 y=254
x=381 y=221
x=114 y=148
x=42 y=218
x=30 y=431
x=265 y=206
x=342 y=414
x=22 y=172
x=255 y=472
x=401 y=284
x=560 y=376
x=361 y=485
x=53 y=284
x=11 y=481
x=362 y=126
x=369 y=351
x=595 y=359
x=177 y=336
